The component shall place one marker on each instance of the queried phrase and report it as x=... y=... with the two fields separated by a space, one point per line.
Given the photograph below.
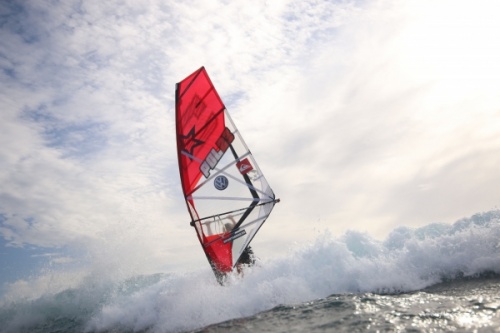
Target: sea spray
x=355 y=263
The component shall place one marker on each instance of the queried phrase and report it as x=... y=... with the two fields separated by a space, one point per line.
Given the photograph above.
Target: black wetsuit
x=247 y=257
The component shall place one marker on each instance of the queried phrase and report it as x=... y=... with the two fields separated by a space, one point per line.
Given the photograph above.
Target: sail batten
x=219 y=175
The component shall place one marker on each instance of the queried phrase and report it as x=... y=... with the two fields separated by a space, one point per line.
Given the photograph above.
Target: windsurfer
x=228 y=226
x=247 y=257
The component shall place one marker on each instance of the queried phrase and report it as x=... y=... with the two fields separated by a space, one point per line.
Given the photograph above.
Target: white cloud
x=363 y=115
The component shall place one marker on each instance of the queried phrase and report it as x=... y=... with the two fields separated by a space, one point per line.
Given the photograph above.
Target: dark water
x=455 y=306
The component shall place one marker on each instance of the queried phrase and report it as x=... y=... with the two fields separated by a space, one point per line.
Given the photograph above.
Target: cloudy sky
x=364 y=115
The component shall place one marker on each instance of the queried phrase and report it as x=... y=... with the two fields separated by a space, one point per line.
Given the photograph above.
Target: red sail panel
x=220 y=253
x=201 y=131
x=200 y=122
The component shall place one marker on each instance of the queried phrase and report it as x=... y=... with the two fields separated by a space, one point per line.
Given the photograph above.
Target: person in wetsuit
x=247 y=257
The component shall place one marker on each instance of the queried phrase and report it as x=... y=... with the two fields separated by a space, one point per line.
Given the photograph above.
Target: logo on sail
x=234 y=235
x=214 y=156
x=221 y=182
x=244 y=166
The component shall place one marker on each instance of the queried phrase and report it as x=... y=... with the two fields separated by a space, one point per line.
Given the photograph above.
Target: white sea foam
x=409 y=259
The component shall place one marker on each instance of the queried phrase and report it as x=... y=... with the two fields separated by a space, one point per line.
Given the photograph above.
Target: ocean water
x=438 y=278
x=462 y=305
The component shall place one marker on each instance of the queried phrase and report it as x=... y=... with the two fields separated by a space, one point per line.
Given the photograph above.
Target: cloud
x=73 y=126
x=362 y=115
x=369 y=114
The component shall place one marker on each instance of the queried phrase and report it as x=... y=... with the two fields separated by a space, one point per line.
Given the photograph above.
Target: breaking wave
x=408 y=259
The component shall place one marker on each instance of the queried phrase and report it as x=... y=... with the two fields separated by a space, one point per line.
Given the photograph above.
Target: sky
x=363 y=115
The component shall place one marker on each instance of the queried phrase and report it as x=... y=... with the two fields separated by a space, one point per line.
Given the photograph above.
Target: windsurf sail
x=226 y=193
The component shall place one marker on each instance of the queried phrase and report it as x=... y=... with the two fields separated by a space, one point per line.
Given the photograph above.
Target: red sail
x=200 y=122
x=226 y=193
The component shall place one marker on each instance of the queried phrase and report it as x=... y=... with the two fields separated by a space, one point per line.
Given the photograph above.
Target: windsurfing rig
x=226 y=193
